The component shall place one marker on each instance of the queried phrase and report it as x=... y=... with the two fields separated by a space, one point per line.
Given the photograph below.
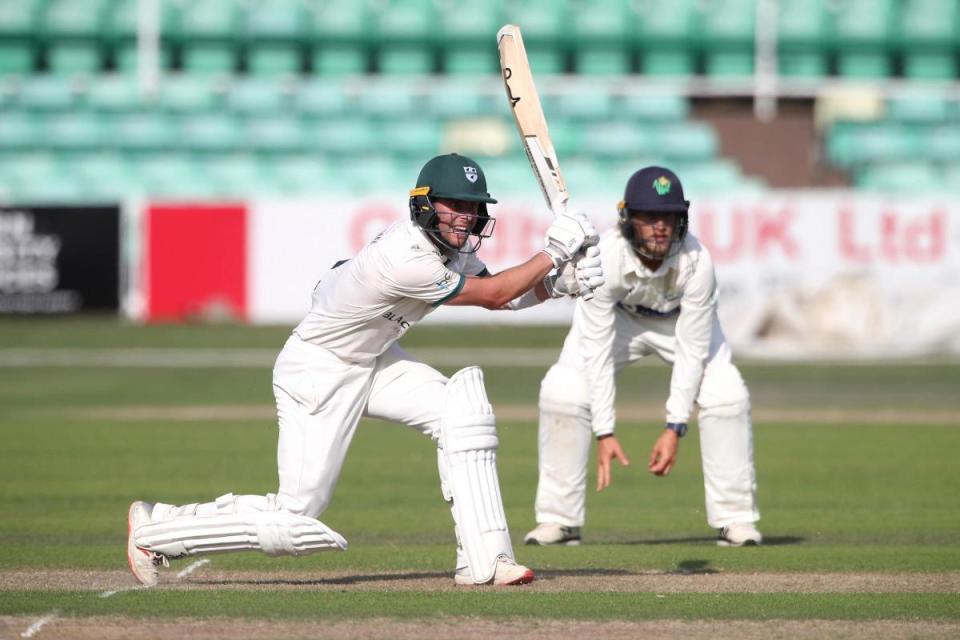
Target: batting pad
x=469 y=470
x=276 y=533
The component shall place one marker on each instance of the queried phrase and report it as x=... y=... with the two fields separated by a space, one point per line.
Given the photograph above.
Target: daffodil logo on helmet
x=471 y=173
x=662 y=185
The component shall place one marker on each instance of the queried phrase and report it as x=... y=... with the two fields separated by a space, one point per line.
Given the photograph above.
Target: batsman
x=342 y=363
x=659 y=298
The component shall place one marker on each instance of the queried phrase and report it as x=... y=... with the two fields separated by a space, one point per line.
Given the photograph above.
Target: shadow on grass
x=339 y=580
x=768 y=541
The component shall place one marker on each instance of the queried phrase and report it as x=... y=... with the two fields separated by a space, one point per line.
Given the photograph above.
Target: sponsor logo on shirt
x=392 y=317
x=445 y=282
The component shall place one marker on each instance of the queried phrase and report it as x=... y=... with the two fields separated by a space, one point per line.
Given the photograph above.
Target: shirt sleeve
x=698 y=310
x=595 y=319
x=424 y=277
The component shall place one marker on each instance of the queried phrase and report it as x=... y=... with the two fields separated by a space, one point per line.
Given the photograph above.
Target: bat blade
x=528 y=114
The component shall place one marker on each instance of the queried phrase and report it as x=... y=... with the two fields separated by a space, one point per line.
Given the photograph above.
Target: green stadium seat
x=567 y=136
x=546 y=60
x=585 y=105
x=125 y=57
x=656 y=25
x=603 y=61
x=802 y=64
x=47 y=93
x=726 y=35
x=209 y=58
x=543 y=22
x=511 y=174
x=463 y=23
x=275 y=134
x=209 y=20
x=16 y=58
x=375 y=172
x=74 y=131
x=905 y=177
x=919 y=108
x=951 y=177
x=457 y=100
x=276 y=20
x=864 y=64
x=802 y=38
x=417 y=137
x=653 y=107
x=405 y=60
x=389 y=99
x=74 y=58
x=849 y=145
x=271 y=59
x=210 y=132
x=235 y=175
x=344 y=136
x=942 y=144
x=301 y=174
x=74 y=19
x=586 y=176
x=464 y=60
x=599 y=20
x=185 y=93
x=729 y=63
x=853 y=23
x=929 y=25
x=105 y=174
x=664 y=61
x=173 y=175
x=320 y=98
x=407 y=21
x=122 y=17
x=611 y=140
x=142 y=132
x=113 y=93
x=719 y=176
x=339 y=60
x=19 y=18
x=18 y=130
x=340 y=22
x=690 y=141
x=253 y=95
x=930 y=66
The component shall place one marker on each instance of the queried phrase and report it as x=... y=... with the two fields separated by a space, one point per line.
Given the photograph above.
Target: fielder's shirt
x=682 y=290
x=364 y=305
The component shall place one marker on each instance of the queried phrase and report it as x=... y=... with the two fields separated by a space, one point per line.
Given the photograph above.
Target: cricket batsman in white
x=659 y=298
x=341 y=363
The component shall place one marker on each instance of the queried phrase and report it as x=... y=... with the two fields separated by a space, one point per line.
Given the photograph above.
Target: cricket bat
x=528 y=114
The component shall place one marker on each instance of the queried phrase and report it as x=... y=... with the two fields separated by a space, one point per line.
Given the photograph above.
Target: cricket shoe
x=144 y=564
x=740 y=534
x=507 y=573
x=547 y=533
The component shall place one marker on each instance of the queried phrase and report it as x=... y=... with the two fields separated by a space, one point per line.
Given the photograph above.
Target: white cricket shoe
x=547 y=533
x=143 y=563
x=740 y=534
x=507 y=573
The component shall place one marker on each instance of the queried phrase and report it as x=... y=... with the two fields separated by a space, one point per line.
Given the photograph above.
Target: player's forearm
x=496 y=292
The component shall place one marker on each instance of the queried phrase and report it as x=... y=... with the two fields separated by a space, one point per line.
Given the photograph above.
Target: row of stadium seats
x=858 y=38
x=319 y=98
x=47 y=177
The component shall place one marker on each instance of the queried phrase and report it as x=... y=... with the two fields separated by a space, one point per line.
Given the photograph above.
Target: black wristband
x=605 y=436
x=679 y=428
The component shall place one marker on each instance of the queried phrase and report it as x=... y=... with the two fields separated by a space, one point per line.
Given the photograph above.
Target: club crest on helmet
x=662 y=185
x=471 y=173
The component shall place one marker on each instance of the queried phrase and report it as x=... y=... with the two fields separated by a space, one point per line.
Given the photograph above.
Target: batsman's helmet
x=653 y=189
x=458 y=178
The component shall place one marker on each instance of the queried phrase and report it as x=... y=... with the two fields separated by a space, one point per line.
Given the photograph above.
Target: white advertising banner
x=803 y=274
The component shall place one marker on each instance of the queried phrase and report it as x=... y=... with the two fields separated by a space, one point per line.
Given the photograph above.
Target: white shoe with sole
x=740 y=534
x=143 y=563
x=507 y=573
x=549 y=533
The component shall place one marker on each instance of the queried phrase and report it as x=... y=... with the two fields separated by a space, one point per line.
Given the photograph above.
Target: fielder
x=659 y=298
x=342 y=363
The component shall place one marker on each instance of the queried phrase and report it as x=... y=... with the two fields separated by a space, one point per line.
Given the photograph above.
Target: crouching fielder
x=341 y=363
x=659 y=298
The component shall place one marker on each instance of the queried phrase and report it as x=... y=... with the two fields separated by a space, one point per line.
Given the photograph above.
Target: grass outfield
x=856 y=464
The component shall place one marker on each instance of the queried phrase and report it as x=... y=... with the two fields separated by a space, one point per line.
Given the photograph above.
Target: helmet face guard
x=423 y=213
x=628 y=231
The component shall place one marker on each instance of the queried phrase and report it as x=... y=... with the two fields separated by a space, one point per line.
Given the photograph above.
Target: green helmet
x=458 y=178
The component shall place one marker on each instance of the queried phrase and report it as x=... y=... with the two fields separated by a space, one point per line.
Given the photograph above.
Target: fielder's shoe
x=508 y=573
x=740 y=534
x=547 y=533
x=143 y=563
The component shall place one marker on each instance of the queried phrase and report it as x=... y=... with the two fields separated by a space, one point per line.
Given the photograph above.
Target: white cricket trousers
x=726 y=432
x=320 y=400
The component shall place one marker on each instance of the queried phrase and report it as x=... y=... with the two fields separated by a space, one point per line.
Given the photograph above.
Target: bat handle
x=588 y=295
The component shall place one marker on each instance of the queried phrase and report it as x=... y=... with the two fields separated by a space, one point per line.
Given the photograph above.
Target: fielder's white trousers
x=726 y=432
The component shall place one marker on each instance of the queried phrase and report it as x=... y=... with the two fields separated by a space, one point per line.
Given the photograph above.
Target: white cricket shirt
x=365 y=304
x=683 y=289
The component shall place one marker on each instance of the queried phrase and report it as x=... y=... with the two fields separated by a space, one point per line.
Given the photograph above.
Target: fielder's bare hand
x=607 y=450
x=664 y=453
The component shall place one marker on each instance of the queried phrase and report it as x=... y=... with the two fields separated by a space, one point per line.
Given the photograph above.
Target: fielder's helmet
x=654 y=189
x=458 y=178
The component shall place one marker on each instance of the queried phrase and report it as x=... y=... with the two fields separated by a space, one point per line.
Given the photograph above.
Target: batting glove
x=583 y=275
x=568 y=233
